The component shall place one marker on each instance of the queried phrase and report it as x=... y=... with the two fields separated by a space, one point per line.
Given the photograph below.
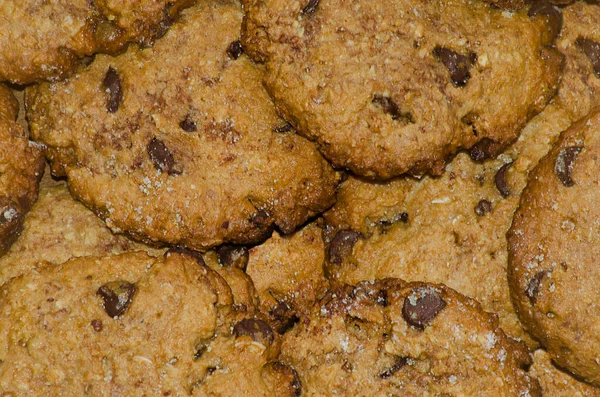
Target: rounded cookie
x=44 y=40
x=553 y=247
x=21 y=168
x=388 y=337
x=388 y=88
x=180 y=142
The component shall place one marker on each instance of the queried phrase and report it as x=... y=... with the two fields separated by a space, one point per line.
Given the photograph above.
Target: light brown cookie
x=450 y=229
x=387 y=88
x=553 y=247
x=180 y=143
x=388 y=337
x=44 y=40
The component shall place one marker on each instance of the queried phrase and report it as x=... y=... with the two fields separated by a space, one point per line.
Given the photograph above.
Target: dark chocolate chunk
x=341 y=245
x=482 y=150
x=287 y=127
x=551 y=12
x=284 y=316
x=96 y=325
x=591 y=48
x=117 y=296
x=390 y=107
x=310 y=7
x=457 y=64
x=112 y=85
x=500 y=180
x=400 y=362
x=186 y=251
x=235 y=49
x=533 y=288
x=233 y=256
x=421 y=306
x=161 y=157
x=483 y=207
x=188 y=125
x=256 y=329
x=564 y=164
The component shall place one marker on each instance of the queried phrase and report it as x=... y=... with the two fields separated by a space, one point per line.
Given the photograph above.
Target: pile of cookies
x=299 y=197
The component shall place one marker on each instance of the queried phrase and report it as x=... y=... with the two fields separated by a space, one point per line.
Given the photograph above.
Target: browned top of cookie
x=44 y=40
x=180 y=142
x=387 y=88
x=389 y=337
x=553 y=250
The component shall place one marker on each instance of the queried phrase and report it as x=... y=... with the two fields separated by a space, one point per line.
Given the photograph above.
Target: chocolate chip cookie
x=388 y=337
x=387 y=88
x=553 y=248
x=21 y=168
x=44 y=40
x=180 y=143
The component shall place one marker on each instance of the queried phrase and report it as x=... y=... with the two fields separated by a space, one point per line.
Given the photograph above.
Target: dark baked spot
x=285 y=317
x=483 y=207
x=310 y=7
x=117 y=296
x=287 y=127
x=96 y=325
x=533 y=288
x=256 y=329
x=188 y=124
x=112 y=85
x=161 y=157
x=341 y=245
x=457 y=64
x=390 y=107
x=482 y=150
x=552 y=14
x=591 y=48
x=235 y=49
x=233 y=256
x=421 y=306
x=500 y=180
x=188 y=252
x=398 y=364
x=564 y=164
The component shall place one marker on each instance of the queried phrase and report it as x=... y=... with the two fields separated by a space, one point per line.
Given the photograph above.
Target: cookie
x=390 y=88
x=288 y=274
x=388 y=337
x=21 y=167
x=450 y=229
x=97 y=326
x=553 y=246
x=555 y=382
x=180 y=143
x=59 y=228
x=44 y=41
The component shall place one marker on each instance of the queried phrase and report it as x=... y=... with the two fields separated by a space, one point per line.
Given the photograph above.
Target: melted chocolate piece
x=341 y=245
x=161 y=157
x=564 y=164
x=117 y=296
x=457 y=64
x=256 y=329
x=112 y=85
x=500 y=180
x=421 y=306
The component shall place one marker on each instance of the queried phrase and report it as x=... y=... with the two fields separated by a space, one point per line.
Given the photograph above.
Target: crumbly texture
x=288 y=274
x=557 y=383
x=447 y=234
x=553 y=249
x=44 y=40
x=21 y=168
x=59 y=228
x=177 y=143
x=386 y=88
x=389 y=337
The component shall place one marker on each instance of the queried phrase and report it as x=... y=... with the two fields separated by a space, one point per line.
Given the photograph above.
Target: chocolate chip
x=591 y=48
x=401 y=217
x=400 y=362
x=310 y=7
x=188 y=125
x=233 y=256
x=500 y=180
x=97 y=325
x=260 y=218
x=551 y=13
x=533 y=288
x=284 y=316
x=281 y=379
x=457 y=64
x=341 y=245
x=483 y=207
x=482 y=150
x=186 y=251
x=117 y=296
x=235 y=50
x=287 y=127
x=390 y=107
x=112 y=85
x=421 y=306
x=381 y=298
x=161 y=157
x=256 y=329
x=564 y=164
